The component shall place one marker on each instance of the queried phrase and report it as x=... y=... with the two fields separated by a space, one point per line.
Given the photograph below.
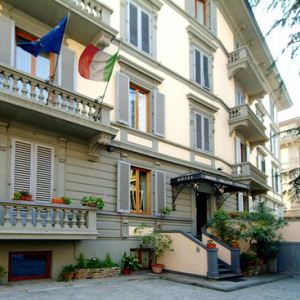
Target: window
x=242 y=150
x=139 y=27
x=200 y=11
x=32 y=169
x=273 y=142
x=240 y=96
x=140 y=194
x=261 y=162
x=273 y=111
x=41 y=66
x=139 y=108
x=275 y=179
x=201 y=70
x=203 y=132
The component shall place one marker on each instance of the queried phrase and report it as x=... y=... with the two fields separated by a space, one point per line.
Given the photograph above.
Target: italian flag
x=96 y=65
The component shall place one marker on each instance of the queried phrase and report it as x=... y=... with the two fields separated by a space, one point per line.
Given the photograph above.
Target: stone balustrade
x=37 y=219
x=20 y=84
x=237 y=55
x=92 y=8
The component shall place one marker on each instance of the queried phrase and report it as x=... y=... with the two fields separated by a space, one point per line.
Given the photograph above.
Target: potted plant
x=68 y=272
x=61 y=200
x=160 y=243
x=22 y=195
x=81 y=269
x=166 y=211
x=235 y=244
x=93 y=201
x=2 y=273
x=211 y=244
x=130 y=263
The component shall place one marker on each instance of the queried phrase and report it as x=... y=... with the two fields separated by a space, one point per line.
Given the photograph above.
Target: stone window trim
x=201 y=110
x=151 y=7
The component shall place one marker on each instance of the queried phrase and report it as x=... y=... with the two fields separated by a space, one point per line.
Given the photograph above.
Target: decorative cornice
x=130 y=65
x=198 y=36
x=202 y=102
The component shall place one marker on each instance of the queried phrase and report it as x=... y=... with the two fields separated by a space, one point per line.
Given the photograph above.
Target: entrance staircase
x=225 y=272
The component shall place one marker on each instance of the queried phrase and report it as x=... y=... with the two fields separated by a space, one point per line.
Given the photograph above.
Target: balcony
x=242 y=67
x=20 y=220
x=243 y=119
x=24 y=98
x=249 y=174
x=89 y=20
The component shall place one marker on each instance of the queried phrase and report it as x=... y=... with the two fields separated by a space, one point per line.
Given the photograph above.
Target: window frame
x=146 y=92
x=148 y=187
x=210 y=132
x=33 y=170
x=261 y=161
x=31 y=38
x=203 y=54
x=275 y=179
x=204 y=16
x=140 y=10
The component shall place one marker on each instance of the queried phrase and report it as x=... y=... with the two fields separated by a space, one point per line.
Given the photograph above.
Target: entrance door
x=201 y=205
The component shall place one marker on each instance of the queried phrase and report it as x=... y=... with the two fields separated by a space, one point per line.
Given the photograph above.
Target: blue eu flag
x=51 y=42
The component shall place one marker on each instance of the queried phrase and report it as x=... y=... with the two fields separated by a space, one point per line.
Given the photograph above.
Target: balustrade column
x=7 y=221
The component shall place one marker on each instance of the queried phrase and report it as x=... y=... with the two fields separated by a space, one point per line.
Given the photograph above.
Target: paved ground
x=144 y=287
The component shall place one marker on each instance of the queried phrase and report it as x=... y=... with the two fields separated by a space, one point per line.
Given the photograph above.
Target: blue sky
x=289 y=69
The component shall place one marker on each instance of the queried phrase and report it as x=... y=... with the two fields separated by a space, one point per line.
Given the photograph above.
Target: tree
x=290 y=18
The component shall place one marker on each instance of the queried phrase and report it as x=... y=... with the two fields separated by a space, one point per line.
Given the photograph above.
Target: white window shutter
x=7 y=40
x=122 y=94
x=213 y=16
x=238 y=150
x=250 y=201
x=160 y=191
x=68 y=68
x=123 y=187
x=22 y=167
x=159 y=113
x=190 y=7
x=44 y=157
x=240 y=202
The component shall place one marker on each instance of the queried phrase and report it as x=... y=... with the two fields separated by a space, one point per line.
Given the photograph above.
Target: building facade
x=290 y=158
x=189 y=121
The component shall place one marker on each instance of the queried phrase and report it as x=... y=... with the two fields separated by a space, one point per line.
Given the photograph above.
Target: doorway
x=201 y=206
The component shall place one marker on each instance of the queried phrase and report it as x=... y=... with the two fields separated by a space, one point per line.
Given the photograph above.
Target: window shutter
x=145 y=20
x=160 y=191
x=7 y=40
x=205 y=71
x=190 y=7
x=197 y=66
x=240 y=202
x=198 y=124
x=159 y=113
x=68 y=64
x=238 y=150
x=250 y=201
x=213 y=17
x=206 y=135
x=123 y=185
x=263 y=165
x=22 y=167
x=122 y=85
x=133 y=25
x=44 y=173
x=248 y=151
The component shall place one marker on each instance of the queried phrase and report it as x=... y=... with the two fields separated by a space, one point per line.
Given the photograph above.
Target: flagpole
x=51 y=78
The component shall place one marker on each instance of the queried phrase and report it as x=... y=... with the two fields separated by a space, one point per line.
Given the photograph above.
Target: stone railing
x=246 y=169
x=34 y=220
x=92 y=8
x=36 y=91
x=237 y=55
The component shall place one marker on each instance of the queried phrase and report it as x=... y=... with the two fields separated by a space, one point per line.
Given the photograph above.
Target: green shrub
x=81 y=264
x=108 y=262
x=130 y=262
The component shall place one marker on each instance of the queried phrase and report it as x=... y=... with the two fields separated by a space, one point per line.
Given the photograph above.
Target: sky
x=288 y=68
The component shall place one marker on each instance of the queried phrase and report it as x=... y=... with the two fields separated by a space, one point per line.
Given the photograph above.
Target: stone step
x=225 y=271
x=228 y=276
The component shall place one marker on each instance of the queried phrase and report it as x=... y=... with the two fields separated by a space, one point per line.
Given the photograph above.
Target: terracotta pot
x=26 y=197
x=235 y=245
x=211 y=246
x=157 y=268
x=57 y=201
x=68 y=276
x=126 y=272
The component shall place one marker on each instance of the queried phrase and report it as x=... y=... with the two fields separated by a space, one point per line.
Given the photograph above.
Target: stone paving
x=144 y=287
